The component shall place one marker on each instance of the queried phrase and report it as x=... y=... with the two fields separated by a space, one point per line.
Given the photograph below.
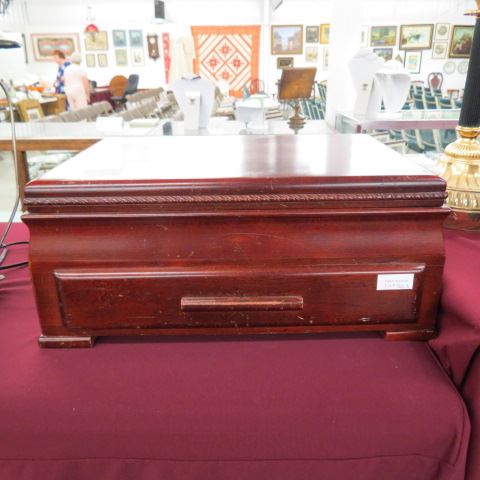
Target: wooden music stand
x=295 y=84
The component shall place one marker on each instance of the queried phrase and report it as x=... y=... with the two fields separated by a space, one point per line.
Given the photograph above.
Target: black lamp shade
x=470 y=113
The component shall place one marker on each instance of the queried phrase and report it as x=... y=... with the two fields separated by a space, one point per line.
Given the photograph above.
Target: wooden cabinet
x=236 y=235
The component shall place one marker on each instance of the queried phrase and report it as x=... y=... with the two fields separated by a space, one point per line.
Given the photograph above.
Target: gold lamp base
x=460 y=168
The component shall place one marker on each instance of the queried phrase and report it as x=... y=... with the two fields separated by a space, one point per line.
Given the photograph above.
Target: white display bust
x=375 y=80
x=195 y=96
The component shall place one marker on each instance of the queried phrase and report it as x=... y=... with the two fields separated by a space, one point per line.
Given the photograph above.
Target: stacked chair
x=314 y=108
x=87 y=114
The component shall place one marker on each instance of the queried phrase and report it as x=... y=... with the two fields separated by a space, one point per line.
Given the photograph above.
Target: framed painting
x=29 y=110
x=121 y=57
x=119 y=38
x=385 y=53
x=287 y=39
x=102 y=60
x=416 y=37
x=311 y=53
x=44 y=44
x=325 y=33
x=413 y=61
x=461 y=41
x=138 y=58
x=312 y=34
x=439 y=50
x=136 y=38
x=442 y=31
x=90 y=60
x=96 y=41
x=284 y=62
x=383 y=36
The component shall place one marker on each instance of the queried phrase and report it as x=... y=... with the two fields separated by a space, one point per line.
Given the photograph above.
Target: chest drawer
x=222 y=296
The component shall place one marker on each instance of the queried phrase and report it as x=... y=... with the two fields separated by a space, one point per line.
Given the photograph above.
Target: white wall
x=52 y=16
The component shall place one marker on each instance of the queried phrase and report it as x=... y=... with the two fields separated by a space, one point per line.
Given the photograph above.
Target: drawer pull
x=228 y=304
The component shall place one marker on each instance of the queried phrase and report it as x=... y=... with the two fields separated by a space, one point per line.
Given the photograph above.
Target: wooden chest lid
x=323 y=171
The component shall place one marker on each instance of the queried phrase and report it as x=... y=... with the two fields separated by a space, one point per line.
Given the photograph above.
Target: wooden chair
x=29 y=110
x=435 y=80
x=130 y=87
x=117 y=85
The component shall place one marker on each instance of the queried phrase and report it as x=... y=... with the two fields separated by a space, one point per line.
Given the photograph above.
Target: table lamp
x=296 y=84
x=5 y=42
x=460 y=164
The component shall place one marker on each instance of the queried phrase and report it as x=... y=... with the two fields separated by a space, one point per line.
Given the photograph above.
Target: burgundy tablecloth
x=101 y=95
x=460 y=311
x=271 y=408
x=471 y=394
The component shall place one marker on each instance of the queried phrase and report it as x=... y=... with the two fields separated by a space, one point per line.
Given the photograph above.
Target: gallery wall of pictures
x=422 y=48
x=297 y=35
x=299 y=45
x=127 y=47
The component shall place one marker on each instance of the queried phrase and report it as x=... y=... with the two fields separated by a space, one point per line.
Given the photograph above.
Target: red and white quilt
x=228 y=53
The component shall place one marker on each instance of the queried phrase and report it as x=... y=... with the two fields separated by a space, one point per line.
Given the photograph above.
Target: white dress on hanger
x=182 y=53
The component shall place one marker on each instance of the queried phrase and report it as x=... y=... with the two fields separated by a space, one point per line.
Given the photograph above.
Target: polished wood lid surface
x=241 y=165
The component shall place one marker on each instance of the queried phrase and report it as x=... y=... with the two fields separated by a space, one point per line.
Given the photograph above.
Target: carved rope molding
x=316 y=197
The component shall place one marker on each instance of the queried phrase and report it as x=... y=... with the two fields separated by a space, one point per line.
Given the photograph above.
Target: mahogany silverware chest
x=236 y=235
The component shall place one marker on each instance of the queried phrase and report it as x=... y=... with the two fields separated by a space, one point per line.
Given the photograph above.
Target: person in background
x=63 y=63
x=77 y=87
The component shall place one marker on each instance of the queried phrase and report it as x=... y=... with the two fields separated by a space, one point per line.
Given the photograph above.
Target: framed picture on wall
x=138 y=58
x=287 y=39
x=311 y=53
x=385 y=53
x=96 y=41
x=312 y=34
x=119 y=38
x=284 y=62
x=136 y=38
x=442 y=31
x=383 y=36
x=416 y=37
x=461 y=41
x=90 y=60
x=102 y=60
x=439 y=50
x=44 y=44
x=121 y=57
x=325 y=33
x=413 y=61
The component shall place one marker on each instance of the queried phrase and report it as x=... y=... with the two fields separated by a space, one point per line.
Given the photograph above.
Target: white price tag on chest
x=397 y=281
